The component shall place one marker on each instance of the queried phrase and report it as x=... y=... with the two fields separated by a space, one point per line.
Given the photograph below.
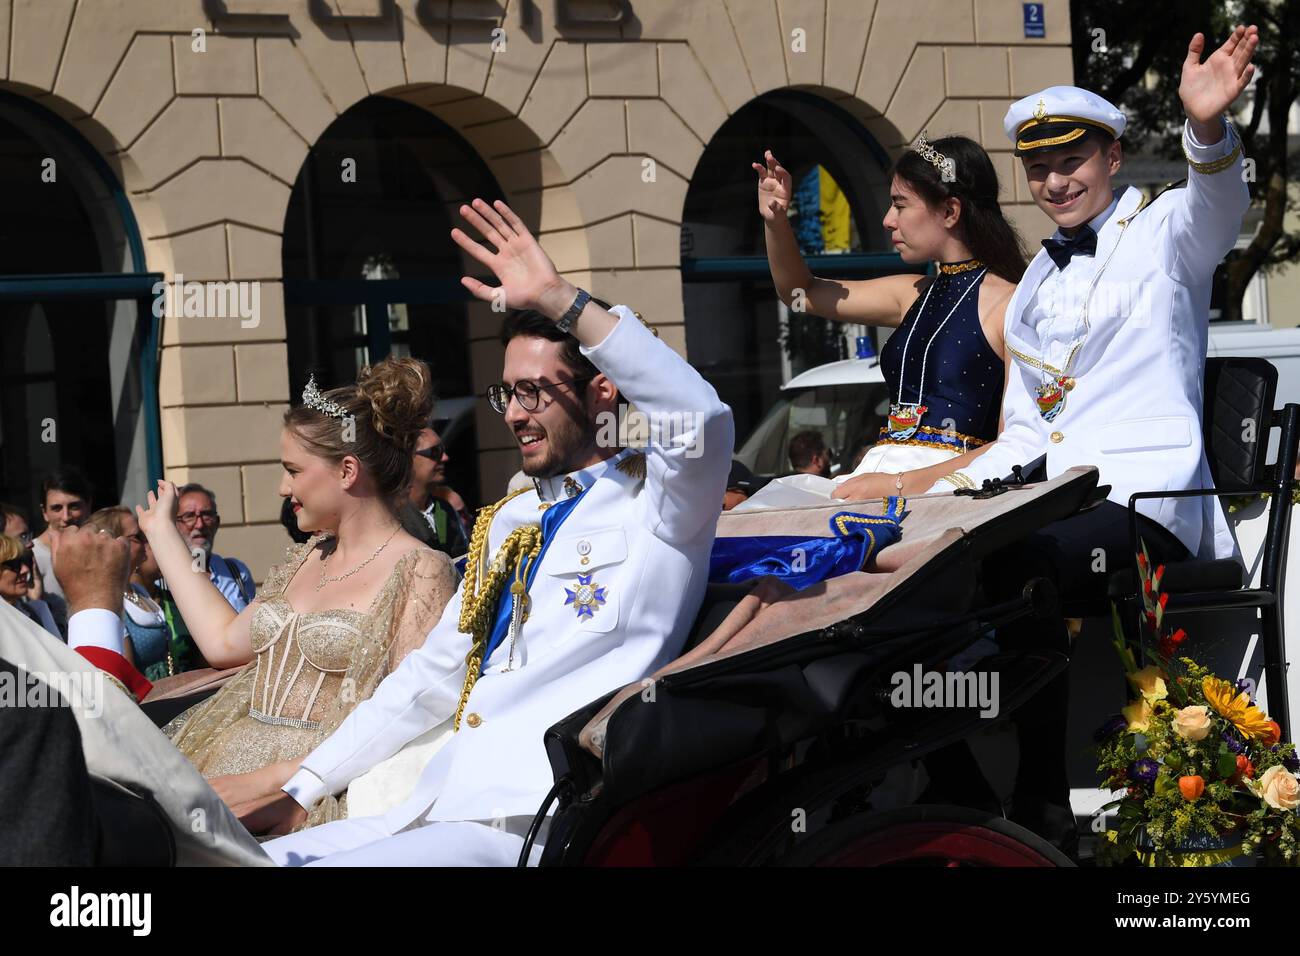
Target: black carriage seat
x=161 y=711
x=1238 y=419
x=1237 y=391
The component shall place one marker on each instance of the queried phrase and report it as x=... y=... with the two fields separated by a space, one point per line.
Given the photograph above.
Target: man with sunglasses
x=428 y=470
x=601 y=565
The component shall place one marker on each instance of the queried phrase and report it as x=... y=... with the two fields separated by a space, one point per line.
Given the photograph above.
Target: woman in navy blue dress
x=945 y=363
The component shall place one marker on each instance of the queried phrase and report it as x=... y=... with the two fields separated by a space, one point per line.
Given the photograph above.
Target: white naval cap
x=1059 y=115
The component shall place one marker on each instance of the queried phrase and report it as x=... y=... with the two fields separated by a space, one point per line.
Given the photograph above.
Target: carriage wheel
x=925 y=836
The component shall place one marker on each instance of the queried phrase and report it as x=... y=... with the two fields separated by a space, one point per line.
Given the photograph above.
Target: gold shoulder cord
x=479 y=596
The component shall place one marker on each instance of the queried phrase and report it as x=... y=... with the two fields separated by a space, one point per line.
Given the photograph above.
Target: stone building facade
x=562 y=100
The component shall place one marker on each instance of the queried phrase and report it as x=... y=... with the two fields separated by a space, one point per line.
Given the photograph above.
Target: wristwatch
x=566 y=321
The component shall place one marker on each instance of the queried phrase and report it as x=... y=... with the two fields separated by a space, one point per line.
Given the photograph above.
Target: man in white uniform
x=1106 y=335
x=613 y=578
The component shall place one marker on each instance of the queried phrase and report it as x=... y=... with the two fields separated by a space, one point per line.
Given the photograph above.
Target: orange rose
x=1274 y=734
x=1191 y=787
x=1245 y=769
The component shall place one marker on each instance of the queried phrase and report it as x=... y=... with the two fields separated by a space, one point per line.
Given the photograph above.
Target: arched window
x=369 y=265
x=740 y=336
x=78 y=347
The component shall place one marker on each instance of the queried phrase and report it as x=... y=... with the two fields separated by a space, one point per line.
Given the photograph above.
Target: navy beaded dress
x=942 y=339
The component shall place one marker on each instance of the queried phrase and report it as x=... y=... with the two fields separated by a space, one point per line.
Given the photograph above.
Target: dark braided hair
x=987 y=233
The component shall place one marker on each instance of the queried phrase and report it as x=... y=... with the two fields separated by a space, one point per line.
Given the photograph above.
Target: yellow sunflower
x=1236 y=708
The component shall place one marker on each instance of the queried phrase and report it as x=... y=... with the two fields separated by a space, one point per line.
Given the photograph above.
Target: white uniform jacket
x=1135 y=410
x=644 y=541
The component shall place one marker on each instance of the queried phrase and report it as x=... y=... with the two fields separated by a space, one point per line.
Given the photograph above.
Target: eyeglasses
x=526 y=393
x=138 y=538
x=15 y=565
x=433 y=452
x=192 y=517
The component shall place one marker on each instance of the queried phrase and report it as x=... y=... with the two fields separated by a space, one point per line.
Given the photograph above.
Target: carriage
x=777 y=739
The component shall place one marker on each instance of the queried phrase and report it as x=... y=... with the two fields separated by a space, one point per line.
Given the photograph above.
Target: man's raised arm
x=691 y=431
x=1204 y=226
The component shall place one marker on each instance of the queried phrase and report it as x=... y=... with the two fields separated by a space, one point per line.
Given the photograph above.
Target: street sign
x=1035 y=25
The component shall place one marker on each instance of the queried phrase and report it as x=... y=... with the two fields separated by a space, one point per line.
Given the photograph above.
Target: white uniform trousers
x=365 y=841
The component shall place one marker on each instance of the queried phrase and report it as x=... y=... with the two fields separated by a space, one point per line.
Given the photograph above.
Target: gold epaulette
x=633 y=466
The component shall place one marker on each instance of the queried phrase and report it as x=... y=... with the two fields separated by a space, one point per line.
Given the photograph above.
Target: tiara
x=928 y=152
x=312 y=398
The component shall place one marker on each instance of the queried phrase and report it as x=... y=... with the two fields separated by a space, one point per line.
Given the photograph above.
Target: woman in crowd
x=339 y=614
x=944 y=364
x=15 y=584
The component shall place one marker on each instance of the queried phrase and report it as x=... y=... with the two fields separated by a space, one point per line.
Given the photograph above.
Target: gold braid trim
x=1223 y=162
x=479 y=596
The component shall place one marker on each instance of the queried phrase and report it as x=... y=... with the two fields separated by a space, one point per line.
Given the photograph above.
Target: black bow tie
x=1084 y=242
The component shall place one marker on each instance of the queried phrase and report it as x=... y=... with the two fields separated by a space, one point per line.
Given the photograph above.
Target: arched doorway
x=78 y=345
x=738 y=333
x=369 y=265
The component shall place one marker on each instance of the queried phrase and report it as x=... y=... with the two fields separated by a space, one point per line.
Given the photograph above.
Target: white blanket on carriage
x=121 y=744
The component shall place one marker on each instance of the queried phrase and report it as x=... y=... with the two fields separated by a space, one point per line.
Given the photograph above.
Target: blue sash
x=552 y=518
x=801 y=562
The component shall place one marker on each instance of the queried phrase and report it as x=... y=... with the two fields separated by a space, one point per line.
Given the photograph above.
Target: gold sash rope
x=481 y=590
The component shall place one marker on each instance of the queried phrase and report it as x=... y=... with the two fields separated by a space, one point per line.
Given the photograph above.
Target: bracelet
x=565 y=322
x=1223 y=162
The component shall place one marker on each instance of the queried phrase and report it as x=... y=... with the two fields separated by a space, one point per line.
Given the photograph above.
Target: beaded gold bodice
x=301 y=660
x=310 y=668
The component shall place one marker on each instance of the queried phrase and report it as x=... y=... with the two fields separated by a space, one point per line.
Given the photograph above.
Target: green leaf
x=1227 y=765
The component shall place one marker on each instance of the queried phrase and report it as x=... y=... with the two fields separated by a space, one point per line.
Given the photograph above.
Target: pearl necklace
x=347 y=574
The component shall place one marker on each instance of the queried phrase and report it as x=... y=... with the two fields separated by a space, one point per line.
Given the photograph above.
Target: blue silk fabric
x=552 y=518
x=800 y=561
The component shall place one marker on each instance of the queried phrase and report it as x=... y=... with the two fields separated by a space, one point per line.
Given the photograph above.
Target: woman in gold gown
x=336 y=617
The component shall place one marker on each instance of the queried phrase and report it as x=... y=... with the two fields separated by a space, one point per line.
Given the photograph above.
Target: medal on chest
x=1051 y=396
x=904 y=420
x=585 y=597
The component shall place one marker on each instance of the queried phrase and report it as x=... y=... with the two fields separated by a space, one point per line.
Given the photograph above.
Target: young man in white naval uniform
x=610 y=597
x=1106 y=339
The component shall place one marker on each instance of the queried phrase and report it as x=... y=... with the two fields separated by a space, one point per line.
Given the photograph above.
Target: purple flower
x=1110 y=728
x=1291 y=763
x=1143 y=770
x=1233 y=744
x=1246 y=687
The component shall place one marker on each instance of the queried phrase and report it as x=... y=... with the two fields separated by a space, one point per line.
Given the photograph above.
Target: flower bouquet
x=1204 y=775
